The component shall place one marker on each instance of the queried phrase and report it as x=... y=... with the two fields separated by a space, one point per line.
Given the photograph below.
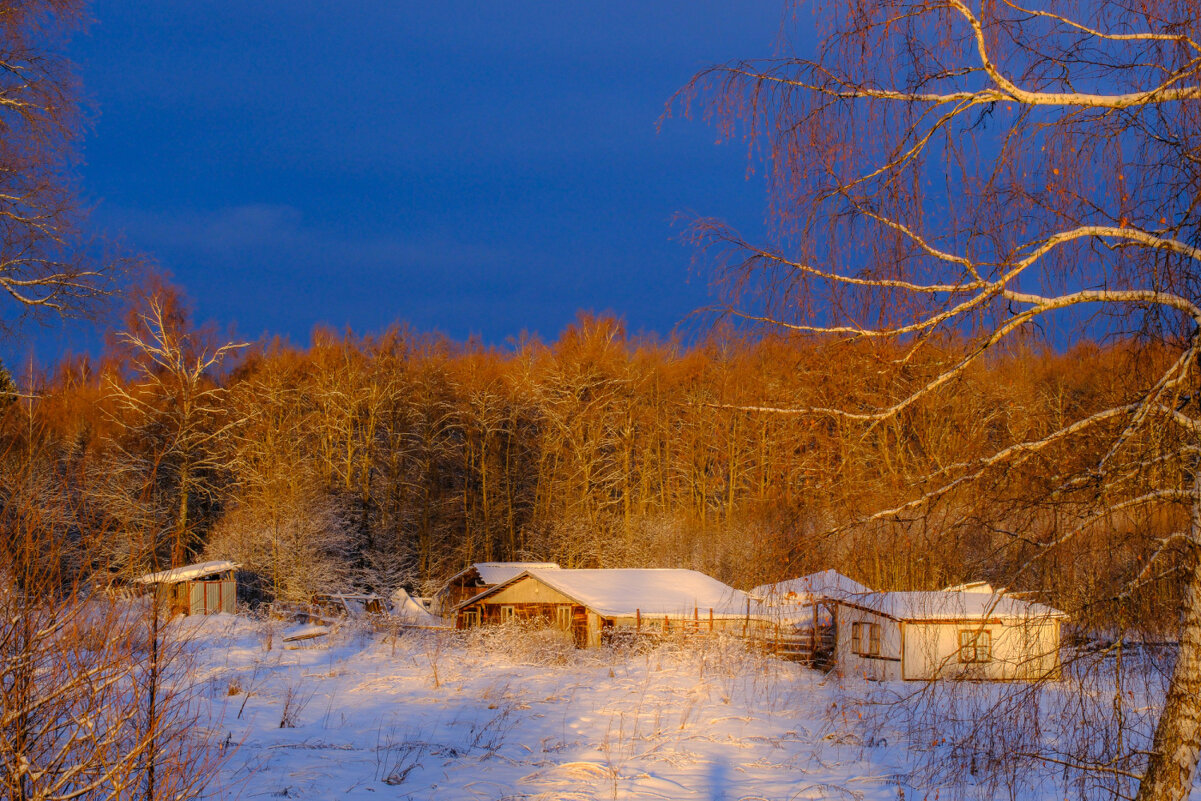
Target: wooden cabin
x=198 y=589
x=589 y=605
x=477 y=578
x=919 y=636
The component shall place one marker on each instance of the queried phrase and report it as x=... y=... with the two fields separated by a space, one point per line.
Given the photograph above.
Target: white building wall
x=886 y=666
x=1026 y=649
x=1020 y=649
x=932 y=651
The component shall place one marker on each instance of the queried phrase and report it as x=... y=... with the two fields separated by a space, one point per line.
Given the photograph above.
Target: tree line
x=375 y=461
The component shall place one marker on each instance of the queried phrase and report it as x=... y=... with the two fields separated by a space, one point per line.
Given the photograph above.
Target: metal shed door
x=214 y=596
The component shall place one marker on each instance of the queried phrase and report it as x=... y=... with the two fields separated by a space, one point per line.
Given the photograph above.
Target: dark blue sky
x=471 y=168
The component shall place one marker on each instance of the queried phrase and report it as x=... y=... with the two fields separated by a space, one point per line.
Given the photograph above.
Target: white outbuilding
x=919 y=636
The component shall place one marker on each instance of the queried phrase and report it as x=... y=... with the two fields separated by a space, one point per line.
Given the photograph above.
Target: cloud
x=268 y=268
x=278 y=238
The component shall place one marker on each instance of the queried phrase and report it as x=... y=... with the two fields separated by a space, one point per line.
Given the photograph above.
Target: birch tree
x=173 y=415
x=990 y=167
x=45 y=263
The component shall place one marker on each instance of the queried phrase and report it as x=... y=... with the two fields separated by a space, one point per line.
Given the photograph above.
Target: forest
x=370 y=462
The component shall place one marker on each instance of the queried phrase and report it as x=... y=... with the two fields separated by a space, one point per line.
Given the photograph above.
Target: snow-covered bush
x=96 y=701
x=522 y=643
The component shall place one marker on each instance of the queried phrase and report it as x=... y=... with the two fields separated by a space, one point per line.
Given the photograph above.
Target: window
x=975 y=646
x=563 y=617
x=865 y=639
x=507 y=614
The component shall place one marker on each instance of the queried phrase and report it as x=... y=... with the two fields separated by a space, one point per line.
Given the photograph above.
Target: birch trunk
x=179 y=553
x=1177 y=743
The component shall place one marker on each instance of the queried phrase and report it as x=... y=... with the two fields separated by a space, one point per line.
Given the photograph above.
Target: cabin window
x=507 y=614
x=975 y=646
x=563 y=617
x=865 y=639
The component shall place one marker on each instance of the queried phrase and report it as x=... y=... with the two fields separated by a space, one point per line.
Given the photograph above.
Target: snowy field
x=519 y=715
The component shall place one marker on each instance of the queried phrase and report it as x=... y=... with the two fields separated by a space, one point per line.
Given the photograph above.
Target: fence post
x=813 y=636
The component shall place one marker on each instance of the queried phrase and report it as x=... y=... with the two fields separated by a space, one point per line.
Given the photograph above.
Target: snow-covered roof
x=410 y=611
x=624 y=592
x=816 y=586
x=941 y=605
x=491 y=573
x=498 y=572
x=973 y=586
x=187 y=572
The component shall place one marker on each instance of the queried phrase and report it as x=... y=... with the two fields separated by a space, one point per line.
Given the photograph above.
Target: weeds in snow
x=490 y=736
x=295 y=700
x=396 y=757
x=617 y=748
x=434 y=645
x=1082 y=736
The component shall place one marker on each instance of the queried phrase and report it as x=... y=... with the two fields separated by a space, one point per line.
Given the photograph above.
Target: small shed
x=919 y=636
x=196 y=589
x=591 y=604
x=477 y=578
